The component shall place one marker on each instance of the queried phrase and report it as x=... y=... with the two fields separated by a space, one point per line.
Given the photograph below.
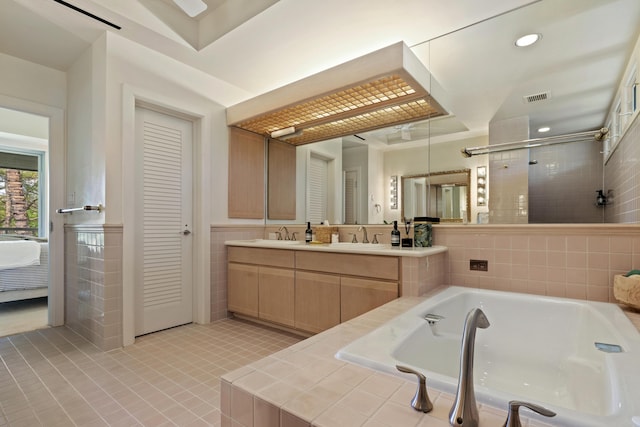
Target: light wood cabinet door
x=317 y=301
x=276 y=295
x=242 y=289
x=281 y=182
x=357 y=296
x=246 y=174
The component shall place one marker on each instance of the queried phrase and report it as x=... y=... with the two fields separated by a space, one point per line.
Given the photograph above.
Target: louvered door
x=317 y=178
x=164 y=206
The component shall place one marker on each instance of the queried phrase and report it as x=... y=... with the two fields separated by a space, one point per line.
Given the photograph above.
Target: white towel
x=19 y=253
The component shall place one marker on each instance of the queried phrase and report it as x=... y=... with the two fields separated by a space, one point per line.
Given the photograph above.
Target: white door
x=163 y=250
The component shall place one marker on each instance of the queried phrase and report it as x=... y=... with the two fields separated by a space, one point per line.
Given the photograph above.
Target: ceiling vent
x=542 y=96
x=387 y=87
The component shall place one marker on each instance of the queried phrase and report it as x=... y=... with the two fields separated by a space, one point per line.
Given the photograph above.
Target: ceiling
x=254 y=46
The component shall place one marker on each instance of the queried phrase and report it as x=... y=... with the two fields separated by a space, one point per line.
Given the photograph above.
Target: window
x=629 y=101
x=20 y=189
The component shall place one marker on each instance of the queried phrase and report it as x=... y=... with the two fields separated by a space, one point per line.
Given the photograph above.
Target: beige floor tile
x=53 y=377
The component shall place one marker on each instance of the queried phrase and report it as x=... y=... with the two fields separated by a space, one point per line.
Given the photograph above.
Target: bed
x=24 y=269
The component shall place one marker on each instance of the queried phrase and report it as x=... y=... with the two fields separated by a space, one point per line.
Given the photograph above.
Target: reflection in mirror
x=444 y=195
x=569 y=82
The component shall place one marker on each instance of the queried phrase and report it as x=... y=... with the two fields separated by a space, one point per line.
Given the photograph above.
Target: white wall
x=26 y=80
x=86 y=167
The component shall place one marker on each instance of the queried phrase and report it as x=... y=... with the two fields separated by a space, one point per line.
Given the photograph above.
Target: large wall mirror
x=444 y=195
x=566 y=82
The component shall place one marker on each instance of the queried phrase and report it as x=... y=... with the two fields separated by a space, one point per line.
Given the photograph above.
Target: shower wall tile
x=563 y=183
x=508 y=181
x=622 y=178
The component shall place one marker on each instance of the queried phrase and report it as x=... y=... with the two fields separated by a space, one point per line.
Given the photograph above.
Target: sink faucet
x=286 y=233
x=364 y=230
x=464 y=412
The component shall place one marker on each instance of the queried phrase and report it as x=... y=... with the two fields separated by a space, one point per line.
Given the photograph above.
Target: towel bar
x=98 y=208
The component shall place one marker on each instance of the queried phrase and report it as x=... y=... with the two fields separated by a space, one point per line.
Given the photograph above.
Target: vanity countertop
x=342 y=247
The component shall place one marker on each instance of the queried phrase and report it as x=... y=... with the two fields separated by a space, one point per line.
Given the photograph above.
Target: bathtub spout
x=464 y=412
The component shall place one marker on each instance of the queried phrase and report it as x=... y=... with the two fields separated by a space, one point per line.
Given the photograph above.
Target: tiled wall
x=508 y=173
x=622 y=177
x=420 y=275
x=563 y=183
x=93 y=283
x=575 y=261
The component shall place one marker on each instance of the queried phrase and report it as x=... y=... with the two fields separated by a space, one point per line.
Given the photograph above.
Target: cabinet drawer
x=270 y=257
x=376 y=266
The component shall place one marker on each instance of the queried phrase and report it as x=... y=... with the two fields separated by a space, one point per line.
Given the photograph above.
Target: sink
x=277 y=242
x=368 y=246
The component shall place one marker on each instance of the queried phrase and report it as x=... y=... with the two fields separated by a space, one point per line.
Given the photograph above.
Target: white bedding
x=26 y=282
x=19 y=253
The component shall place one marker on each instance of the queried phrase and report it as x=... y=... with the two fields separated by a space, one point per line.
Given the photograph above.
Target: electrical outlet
x=478 y=265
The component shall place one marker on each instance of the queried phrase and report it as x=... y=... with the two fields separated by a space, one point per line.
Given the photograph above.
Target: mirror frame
x=442 y=174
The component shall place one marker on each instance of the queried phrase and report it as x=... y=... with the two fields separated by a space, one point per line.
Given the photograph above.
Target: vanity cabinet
x=275 y=295
x=242 y=292
x=260 y=284
x=308 y=291
x=317 y=299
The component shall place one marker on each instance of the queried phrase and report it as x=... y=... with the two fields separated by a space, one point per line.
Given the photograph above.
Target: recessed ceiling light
x=544 y=129
x=528 y=40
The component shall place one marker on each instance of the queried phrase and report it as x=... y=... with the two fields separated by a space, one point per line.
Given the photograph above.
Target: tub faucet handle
x=513 y=418
x=420 y=401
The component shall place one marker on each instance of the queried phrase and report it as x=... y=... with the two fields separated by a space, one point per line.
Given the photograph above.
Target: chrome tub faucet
x=464 y=412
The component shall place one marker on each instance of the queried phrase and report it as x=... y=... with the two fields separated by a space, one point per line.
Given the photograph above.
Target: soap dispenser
x=395 y=235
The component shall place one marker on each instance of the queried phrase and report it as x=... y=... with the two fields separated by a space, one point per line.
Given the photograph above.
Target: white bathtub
x=537 y=349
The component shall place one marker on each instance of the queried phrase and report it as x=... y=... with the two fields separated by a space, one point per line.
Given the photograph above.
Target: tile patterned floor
x=24 y=315
x=53 y=377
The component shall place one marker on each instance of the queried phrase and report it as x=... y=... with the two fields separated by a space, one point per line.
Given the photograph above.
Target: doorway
x=24 y=279
x=164 y=205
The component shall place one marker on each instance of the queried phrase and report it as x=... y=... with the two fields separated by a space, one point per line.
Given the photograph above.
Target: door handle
x=186 y=232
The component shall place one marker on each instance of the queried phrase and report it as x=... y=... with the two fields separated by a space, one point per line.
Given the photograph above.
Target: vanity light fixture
x=393 y=199
x=387 y=87
x=528 y=39
x=283 y=132
x=544 y=129
x=481 y=184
